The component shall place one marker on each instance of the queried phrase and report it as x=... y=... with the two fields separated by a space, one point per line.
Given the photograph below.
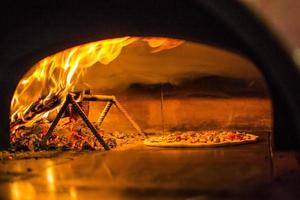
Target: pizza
x=201 y=139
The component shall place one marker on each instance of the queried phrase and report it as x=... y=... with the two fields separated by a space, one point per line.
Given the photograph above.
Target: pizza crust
x=155 y=142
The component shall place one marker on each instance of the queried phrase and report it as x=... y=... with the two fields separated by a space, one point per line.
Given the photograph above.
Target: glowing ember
x=69 y=134
x=51 y=79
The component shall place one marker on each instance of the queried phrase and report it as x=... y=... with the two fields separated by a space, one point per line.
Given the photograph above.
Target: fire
x=162 y=43
x=52 y=78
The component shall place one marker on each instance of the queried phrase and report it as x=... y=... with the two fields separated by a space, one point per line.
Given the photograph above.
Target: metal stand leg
x=55 y=121
x=112 y=99
x=104 y=112
x=88 y=123
x=128 y=117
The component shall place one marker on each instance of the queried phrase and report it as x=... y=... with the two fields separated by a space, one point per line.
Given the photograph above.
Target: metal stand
x=70 y=100
x=111 y=100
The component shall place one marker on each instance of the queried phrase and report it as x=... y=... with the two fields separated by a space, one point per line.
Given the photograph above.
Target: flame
x=57 y=75
x=162 y=43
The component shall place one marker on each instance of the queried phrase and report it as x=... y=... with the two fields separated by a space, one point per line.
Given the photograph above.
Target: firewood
x=43 y=105
x=40 y=106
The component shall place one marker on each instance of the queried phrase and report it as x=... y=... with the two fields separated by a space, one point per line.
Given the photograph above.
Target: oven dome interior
x=166 y=85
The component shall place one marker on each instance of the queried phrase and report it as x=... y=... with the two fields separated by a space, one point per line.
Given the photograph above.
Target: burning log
x=39 y=107
x=43 y=105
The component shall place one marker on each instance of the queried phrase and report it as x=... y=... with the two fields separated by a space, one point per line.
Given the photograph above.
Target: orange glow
x=73 y=193
x=22 y=190
x=58 y=74
x=50 y=177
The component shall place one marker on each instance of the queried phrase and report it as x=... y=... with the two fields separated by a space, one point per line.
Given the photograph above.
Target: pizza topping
x=193 y=140
x=216 y=140
x=202 y=140
x=199 y=138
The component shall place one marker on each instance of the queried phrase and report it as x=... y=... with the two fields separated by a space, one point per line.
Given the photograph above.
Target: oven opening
x=127 y=91
x=184 y=100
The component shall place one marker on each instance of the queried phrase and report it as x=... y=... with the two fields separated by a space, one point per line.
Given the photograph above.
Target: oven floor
x=139 y=172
